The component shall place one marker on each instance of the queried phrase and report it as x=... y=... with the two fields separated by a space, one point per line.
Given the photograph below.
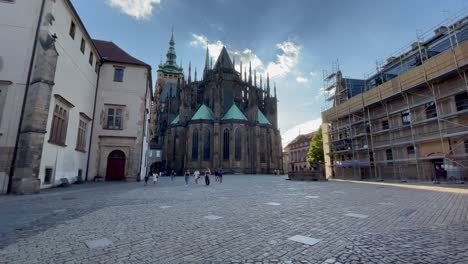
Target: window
x=91 y=58
x=237 y=144
x=385 y=124
x=226 y=144
x=406 y=117
x=207 y=145
x=83 y=45
x=389 y=154
x=72 y=30
x=114 y=118
x=431 y=110
x=58 y=131
x=48 y=176
x=461 y=101
x=174 y=147
x=371 y=156
x=262 y=153
x=118 y=74
x=410 y=150
x=82 y=129
x=195 y=144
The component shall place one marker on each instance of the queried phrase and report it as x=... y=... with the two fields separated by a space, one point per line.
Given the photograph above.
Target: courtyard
x=246 y=219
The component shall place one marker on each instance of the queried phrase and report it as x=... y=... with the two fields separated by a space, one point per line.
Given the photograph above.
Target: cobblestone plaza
x=246 y=219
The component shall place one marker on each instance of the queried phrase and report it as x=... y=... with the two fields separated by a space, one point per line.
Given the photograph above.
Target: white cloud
x=301 y=79
x=138 y=9
x=285 y=62
x=304 y=128
x=314 y=73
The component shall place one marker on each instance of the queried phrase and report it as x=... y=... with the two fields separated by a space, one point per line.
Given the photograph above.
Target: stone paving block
x=213 y=217
x=304 y=240
x=312 y=197
x=273 y=203
x=357 y=215
x=405 y=212
x=98 y=243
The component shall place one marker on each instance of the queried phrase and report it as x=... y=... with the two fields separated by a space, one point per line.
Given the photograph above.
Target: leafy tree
x=316 y=148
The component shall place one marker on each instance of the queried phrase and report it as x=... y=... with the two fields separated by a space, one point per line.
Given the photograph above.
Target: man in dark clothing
x=207 y=177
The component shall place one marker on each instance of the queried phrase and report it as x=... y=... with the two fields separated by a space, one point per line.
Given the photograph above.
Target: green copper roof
x=170 y=66
x=234 y=113
x=203 y=113
x=262 y=119
x=176 y=120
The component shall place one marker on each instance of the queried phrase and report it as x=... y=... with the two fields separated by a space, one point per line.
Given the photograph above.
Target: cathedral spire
x=245 y=73
x=275 y=89
x=207 y=61
x=268 y=84
x=170 y=66
x=195 y=73
x=261 y=84
x=190 y=72
x=250 y=72
x=240 y=69
x=255 y=78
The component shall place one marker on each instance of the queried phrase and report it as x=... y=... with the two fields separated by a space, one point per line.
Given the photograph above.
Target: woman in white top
x=155 y=177
x=196 y=175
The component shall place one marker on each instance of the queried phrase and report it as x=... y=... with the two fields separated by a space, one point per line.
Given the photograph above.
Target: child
x=155 y=177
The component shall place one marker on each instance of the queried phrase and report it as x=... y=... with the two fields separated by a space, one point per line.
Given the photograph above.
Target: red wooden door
x=115 y=166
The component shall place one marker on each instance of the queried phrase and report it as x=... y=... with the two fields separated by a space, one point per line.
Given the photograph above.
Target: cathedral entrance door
x=115 y=166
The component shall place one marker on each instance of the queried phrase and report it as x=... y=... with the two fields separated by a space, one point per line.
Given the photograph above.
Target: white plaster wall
x=17 y=32
x=75 y=80
x=147 y=135
x=131 y=93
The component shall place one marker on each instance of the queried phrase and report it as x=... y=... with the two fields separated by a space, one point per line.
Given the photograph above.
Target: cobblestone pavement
x=246 y=219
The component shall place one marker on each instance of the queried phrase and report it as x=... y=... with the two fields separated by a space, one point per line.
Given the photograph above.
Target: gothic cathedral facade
x=225 y=120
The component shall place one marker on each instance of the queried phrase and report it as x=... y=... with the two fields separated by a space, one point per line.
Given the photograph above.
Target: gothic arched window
x=207 y=145
x=226 y=144
x=262 y=149
x=237 y=144
x=195 y=144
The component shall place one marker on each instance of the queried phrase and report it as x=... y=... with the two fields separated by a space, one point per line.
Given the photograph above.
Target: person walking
x=216 y=175
x=196 y=175
x=207 y=177
x=187 y=175
x=155 y=177
x=147 y=177
x=172 y=175
x=220 y=175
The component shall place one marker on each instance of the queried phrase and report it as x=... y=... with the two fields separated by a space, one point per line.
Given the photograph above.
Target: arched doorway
x=115 y=166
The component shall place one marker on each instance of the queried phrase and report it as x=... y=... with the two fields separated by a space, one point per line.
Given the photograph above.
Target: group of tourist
x=196 y=175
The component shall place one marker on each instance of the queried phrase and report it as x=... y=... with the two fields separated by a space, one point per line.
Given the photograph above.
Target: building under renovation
x=407 y=120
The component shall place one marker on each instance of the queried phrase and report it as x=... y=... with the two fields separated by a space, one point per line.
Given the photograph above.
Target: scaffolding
x=410 y=117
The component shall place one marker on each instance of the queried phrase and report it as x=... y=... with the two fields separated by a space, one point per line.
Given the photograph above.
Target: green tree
x=316 y=148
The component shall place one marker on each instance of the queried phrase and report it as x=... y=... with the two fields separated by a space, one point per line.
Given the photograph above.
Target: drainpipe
x=28 y=80
x=92 y=123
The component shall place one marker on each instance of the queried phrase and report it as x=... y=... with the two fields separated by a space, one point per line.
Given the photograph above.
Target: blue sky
x=292 y=40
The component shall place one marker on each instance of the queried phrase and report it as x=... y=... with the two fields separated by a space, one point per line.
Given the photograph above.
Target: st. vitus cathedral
x=225 y=120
